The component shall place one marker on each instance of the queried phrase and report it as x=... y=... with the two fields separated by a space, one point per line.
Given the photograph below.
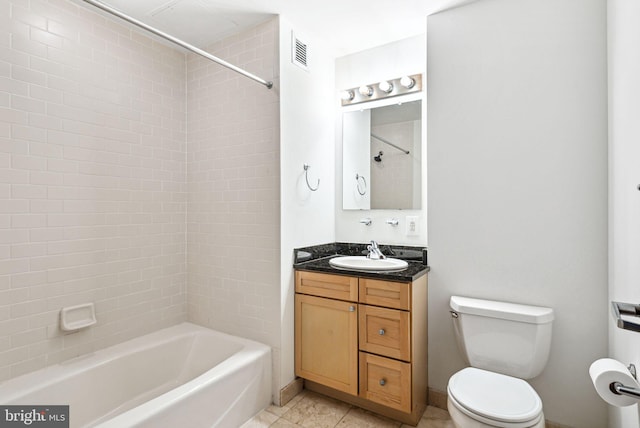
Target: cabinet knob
x=382 y=382
x=381 y=332
x=352 y=308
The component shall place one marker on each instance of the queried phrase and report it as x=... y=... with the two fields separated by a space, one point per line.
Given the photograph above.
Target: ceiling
x=345 y=26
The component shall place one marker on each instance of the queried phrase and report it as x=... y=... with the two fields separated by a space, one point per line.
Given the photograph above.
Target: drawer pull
x=382 y=382
x=352 y=308
x=381 y=332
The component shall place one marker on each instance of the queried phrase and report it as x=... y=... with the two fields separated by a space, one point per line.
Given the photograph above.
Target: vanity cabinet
x=364 y=341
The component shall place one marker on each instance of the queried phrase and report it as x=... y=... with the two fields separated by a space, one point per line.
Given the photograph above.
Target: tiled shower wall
x=233 y=227
x=92 y=181
x=393 y=179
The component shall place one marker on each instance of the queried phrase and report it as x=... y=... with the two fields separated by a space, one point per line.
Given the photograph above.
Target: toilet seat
x=495 y=399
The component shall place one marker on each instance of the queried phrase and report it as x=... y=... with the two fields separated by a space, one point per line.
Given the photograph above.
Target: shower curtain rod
x=178 y=42
x=406 y=152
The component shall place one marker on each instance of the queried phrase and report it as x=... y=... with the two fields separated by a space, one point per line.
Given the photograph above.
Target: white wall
x=307 y=136
x=517 y=167
x=624 y=176
x=384 y=62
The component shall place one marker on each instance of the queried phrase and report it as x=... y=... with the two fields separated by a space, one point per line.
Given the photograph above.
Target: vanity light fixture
x=382 y=89
x=347 y=95
x=407 y=82
x=365 y=90
x=385 y=86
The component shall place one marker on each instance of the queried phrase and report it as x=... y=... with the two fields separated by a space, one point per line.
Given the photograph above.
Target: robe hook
x=306 y=177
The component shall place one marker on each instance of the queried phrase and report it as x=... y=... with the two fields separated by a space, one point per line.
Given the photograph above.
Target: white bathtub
x=182 y=376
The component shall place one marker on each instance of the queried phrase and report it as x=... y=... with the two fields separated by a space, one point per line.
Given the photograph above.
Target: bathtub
x=181 y=376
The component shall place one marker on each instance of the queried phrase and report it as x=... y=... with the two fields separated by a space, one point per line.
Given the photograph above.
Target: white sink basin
x=363 y=263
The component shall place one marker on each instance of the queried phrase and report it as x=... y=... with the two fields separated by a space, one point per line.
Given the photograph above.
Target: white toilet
x=504 y=343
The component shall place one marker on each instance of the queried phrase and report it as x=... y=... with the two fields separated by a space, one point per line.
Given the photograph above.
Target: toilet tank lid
x=502 y=310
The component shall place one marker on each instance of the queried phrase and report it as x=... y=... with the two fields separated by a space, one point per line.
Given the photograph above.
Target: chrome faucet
x=374 y=251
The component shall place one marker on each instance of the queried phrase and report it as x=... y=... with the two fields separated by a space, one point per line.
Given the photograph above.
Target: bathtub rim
x=14 y=388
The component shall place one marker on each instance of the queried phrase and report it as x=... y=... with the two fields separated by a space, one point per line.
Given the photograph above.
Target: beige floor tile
x=434 y=418
x=317 y=411
x=311 y=410
x=261 y=420
x=359 y=418
x=436 y=413
x=279 y=411
x=283 y=423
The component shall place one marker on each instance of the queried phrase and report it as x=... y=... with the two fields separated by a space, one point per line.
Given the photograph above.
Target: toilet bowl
x=479 y=398
x=504 y=343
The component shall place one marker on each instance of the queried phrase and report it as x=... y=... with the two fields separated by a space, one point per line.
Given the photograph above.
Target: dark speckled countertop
x=316 y=259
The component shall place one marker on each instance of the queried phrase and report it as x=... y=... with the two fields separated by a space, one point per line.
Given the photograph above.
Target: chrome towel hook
x=358 y=177
x=306 y=177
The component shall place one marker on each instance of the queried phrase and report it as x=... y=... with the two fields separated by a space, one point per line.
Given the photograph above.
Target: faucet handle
x=392 y=221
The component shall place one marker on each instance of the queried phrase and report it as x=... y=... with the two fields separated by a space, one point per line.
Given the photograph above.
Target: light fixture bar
x=178 y=42
x=384 y=89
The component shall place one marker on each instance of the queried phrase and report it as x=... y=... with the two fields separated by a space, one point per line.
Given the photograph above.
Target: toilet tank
x=507 y=338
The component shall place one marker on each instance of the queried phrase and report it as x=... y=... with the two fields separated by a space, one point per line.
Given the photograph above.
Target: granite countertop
x=316 y=259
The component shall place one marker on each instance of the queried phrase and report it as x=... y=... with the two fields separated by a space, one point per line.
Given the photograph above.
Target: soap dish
x=76 y=317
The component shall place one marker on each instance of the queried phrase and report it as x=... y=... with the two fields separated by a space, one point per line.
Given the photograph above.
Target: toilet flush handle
x=453 y=314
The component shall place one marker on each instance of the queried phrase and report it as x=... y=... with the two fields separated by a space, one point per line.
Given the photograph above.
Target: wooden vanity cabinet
x=363 y=341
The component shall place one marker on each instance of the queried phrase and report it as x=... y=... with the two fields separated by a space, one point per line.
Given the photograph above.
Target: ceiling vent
x=299 y=52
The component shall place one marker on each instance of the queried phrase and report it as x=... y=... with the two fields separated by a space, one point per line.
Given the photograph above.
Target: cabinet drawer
x=326 y=285
x=385 y=381
x=385 y=293
x=385 y=331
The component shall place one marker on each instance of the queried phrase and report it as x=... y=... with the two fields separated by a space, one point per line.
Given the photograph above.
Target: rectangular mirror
x=382 y=152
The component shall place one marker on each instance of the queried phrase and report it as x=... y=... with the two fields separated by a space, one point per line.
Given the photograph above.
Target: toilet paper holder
x=619 y=389
x=620 y=309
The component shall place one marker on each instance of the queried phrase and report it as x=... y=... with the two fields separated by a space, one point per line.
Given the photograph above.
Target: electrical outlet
x=412 y=226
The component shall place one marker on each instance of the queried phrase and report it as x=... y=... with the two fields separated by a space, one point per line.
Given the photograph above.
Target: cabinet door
x=326 y=342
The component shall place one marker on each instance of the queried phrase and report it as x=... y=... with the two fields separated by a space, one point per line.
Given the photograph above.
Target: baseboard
x=437 y=399
x=291 y=390
x=549 y=424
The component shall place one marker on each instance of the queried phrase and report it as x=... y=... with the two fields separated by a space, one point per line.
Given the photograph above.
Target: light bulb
x=385 y=86
x=365 y=91
x=407 y=82
x=347 y=95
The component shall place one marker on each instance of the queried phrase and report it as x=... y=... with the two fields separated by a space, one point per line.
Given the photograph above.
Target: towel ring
x=358 y=177
x=306 y=177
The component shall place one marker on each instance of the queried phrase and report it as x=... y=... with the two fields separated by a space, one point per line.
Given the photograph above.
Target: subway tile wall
x=392 y=179
x=93 y=182
x=233 y=177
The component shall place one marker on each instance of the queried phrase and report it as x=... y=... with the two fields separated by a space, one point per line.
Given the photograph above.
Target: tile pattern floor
x=312 y=410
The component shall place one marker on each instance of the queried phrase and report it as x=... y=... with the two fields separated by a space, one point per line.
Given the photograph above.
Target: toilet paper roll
x=606 y=371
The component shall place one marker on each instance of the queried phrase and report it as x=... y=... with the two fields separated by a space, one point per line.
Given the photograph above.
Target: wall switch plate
x=412 y=225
